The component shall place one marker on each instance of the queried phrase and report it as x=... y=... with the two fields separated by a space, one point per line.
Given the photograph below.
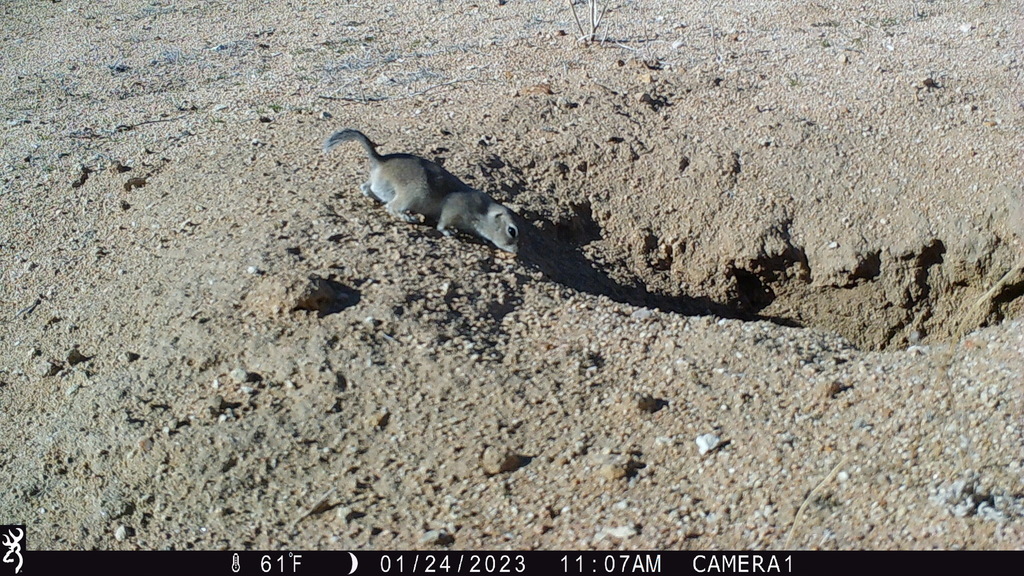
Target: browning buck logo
x=13 y=544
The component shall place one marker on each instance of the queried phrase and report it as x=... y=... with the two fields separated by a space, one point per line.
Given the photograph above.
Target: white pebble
x=642 y=314
x=707 y=442
x=621 y=532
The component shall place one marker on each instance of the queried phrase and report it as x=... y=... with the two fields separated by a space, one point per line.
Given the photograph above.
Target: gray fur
x=409 y=185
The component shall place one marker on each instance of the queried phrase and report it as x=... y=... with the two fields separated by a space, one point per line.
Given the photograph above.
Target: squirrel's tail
x=349 y=134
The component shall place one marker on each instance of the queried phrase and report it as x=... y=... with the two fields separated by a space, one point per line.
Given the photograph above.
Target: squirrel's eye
x=512 y=231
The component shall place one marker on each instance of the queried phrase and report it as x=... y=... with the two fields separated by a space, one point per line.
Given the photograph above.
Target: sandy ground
x=768 y=295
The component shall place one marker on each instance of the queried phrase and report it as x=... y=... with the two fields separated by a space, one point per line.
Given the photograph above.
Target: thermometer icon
x=234 y=563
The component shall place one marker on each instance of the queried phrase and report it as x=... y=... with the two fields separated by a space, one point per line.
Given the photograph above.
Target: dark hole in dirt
x=753 y=295
x=868 y=268
x=580 y=228
x=1011 y=293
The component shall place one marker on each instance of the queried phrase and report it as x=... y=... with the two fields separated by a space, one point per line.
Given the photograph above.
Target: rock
x=648 y=403
x=134 y=183
x=275 y=294
x=613 y=471
x=498 y=460
x=537 y=89
x=708 y=442
x=75 y=356
x=436 y=538
x=620 y=532
x=129 y=357
x=116 y=167
x=230 y=462
x=113 y=506
x=616 y=466
x=121 y=533
x=348 y=514
x=47 y=368
x=832 y=389
x=83 y=175
x=239 y=375
x=380 y=419
x=217 y=405
x=641 y=314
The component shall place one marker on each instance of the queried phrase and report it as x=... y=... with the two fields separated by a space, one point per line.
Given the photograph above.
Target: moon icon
x=355 y=563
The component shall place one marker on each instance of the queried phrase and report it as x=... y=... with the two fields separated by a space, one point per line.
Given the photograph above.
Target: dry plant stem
x=965 y=324
x=318 y=507
x=990 y=294
x=575 y=16
x=596 y=16
x=800 y=511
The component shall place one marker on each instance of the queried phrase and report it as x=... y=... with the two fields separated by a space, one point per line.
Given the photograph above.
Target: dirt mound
x=709 y=190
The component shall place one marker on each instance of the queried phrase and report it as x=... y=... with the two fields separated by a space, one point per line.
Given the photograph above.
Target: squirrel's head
x=502 y=229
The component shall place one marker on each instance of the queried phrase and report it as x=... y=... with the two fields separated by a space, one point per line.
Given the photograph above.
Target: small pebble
x=647 y=403
x=241 y=376
x=47 y=368
x=498 y=460
x=437 y=538
x=707 y=442
x=76 y=357
x=620 y=532
x=641 y=314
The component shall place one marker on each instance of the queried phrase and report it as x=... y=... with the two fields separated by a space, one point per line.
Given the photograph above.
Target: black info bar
x=363 y=562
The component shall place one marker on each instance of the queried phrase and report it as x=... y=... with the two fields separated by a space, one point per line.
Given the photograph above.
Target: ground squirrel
x=408 y=185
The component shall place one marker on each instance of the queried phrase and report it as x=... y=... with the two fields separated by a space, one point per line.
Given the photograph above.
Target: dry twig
x=800 y=511
x=596 y=16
